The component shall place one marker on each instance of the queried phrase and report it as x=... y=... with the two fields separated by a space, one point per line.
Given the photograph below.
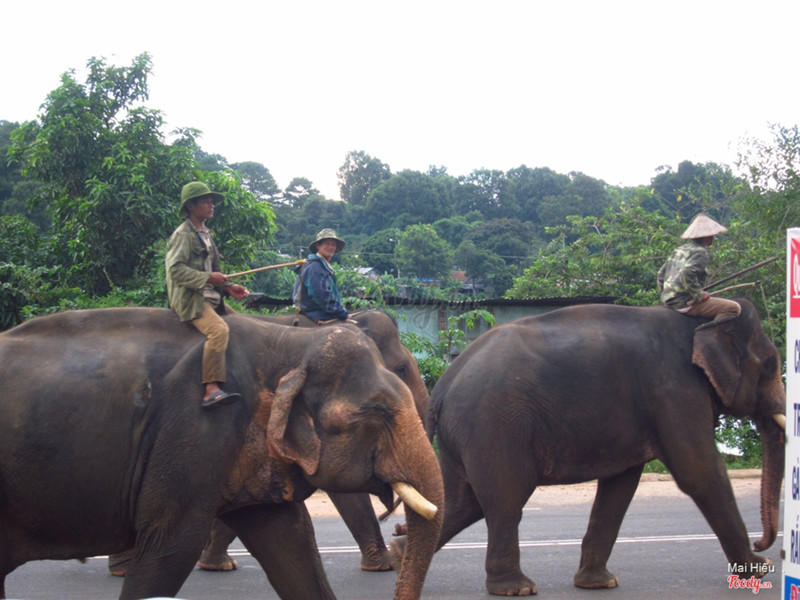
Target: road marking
x=702 y=537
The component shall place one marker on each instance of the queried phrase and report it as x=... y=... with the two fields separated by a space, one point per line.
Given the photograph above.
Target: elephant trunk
x=773 y=459
x=411 y=462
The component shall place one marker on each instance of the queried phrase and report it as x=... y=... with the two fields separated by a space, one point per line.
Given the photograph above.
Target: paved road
x=666 y=549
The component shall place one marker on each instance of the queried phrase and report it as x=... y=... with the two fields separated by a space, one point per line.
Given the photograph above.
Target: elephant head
x=743 y=366
x=382 y=329
x=317 y=426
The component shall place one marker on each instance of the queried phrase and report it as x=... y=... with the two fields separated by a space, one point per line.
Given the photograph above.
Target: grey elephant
x=103 y=446
x=355 y=509
x=595 y=392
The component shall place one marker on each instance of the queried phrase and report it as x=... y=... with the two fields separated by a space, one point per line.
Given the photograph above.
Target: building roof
x=262 y=300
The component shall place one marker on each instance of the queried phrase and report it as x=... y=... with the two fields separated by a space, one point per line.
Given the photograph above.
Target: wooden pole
x=761 y=264
x=732 y=287
x=267 y=268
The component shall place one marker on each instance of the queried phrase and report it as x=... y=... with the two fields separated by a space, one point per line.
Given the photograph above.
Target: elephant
x=355 y=509
x=104 y=446
x=593 y=392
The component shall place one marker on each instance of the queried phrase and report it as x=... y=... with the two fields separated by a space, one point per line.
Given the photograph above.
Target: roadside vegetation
x=89 y=193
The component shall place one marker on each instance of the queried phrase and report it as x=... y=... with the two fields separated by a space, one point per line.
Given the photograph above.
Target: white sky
x=611 y=88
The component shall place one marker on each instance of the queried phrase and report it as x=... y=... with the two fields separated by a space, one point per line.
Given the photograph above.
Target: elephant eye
x=770 y=366
x=401 y=372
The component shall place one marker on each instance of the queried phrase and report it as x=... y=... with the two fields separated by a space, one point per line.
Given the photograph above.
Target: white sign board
x=791 y=507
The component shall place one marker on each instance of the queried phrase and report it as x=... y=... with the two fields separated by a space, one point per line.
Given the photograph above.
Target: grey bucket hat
x=326 y=234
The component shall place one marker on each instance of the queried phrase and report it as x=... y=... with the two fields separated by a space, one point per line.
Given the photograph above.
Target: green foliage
x=433 y=359
x=378 y=250
x=94 y=189
x=359 y=175
x=423 y=253
x=407 y=198
x=257 y=180
x=617 y=254
x=111 y=183
x=106 y=176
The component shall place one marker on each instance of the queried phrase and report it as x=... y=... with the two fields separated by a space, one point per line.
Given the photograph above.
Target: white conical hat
x=703 y=226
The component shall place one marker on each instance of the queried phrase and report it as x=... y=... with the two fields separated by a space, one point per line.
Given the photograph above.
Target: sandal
x=219 y=398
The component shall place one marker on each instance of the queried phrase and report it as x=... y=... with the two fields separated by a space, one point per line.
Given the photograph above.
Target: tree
x=483 y=190
x=359 y=175
x=407 y=198
x=670 y=189
x=478 y=264
x=299 y=191
x=510 y=239
x=616 y=255
x=530 y=186
x=257 y=180
x=454 y=229
x=422 y=253
x=378 y=250
x=582 y=196
x=110 y=182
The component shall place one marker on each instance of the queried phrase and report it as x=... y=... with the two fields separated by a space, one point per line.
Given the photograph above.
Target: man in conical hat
x=682 y=278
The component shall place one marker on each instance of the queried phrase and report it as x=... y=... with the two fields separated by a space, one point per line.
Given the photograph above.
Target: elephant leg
x=359 y=516
x=215 y=555
x=281 y=538
x=501 y=504
x=162 y=563
x=711 y=490
x=614 y=495
x=504 y=576
x=118 y=563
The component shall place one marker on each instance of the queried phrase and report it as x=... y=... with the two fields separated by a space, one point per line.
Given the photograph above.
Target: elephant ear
x=290 y=433
x=716 y=352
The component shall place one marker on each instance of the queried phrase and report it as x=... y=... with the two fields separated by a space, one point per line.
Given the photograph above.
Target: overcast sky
x=612 y=88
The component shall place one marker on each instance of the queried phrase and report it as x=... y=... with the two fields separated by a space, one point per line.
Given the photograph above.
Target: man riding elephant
x=356 y=509
x=682 y=277
x=594 y=392
x=102 y=446
x=316 y=294
x=196 y=287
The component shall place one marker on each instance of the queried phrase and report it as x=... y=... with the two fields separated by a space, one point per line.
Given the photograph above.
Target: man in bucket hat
x=316 y=294
x=195 y=286
x=682 y=278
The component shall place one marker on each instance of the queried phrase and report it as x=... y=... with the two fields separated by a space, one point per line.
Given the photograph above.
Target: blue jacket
x=320 y=299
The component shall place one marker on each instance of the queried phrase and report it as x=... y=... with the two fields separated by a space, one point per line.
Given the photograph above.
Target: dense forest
x=89 y=194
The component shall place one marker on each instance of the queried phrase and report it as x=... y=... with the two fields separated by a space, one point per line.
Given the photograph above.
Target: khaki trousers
x=713 y=307
x=215 y=329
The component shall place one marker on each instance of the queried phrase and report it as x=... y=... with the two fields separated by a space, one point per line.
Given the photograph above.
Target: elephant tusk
x=416 y=501
x=780 y=419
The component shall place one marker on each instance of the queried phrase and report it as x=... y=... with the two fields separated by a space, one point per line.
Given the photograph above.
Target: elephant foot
x=595 y=579
x=757 y=567
x=516 y=584
x=217 y=562
x=376 y=559
x=118 y=563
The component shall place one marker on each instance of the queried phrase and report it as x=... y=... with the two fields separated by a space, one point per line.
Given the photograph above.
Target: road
x=665 y=549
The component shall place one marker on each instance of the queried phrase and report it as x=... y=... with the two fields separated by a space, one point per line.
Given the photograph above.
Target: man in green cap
x=195 y=286
x=316 y=294
x=682 y=277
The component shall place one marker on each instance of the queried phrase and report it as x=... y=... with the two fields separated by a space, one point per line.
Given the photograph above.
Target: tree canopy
x=111 y=184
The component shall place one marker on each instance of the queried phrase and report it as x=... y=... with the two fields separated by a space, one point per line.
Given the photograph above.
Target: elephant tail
x=385 y=514
x=432 y=415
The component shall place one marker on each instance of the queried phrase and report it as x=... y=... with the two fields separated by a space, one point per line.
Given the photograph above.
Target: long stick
x=267 y=268
x=733 y=287
x=761 y=264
